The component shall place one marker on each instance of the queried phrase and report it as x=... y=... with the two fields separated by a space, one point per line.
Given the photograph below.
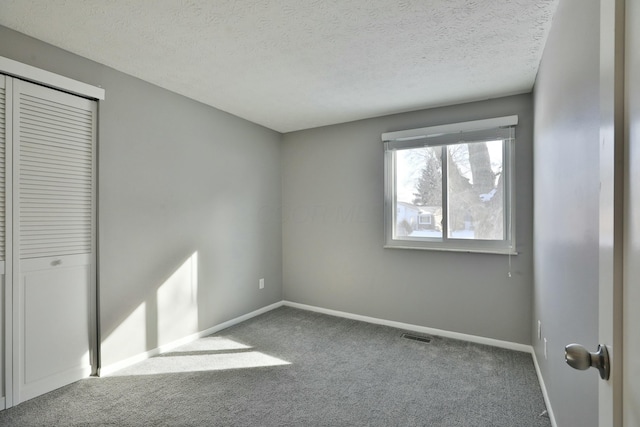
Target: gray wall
x=333 y=233
x=566 y=170
x=176 y=178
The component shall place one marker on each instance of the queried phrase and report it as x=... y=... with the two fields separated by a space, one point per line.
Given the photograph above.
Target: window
x=450 y=187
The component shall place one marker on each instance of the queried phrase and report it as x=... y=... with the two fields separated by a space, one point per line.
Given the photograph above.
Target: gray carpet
x=290 y=367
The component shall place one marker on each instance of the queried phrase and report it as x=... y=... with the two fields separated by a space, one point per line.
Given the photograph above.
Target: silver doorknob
x=579 y=358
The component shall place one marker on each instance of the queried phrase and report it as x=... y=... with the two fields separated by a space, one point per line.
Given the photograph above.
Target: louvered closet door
x=53 y=226
x=3 y=232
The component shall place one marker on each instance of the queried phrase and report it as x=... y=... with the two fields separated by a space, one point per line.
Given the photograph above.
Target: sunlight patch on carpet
x=211 y=344
x=203 y=362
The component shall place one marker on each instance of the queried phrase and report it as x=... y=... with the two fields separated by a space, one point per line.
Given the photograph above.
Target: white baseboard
x=110 y=369
x=415 y=328
x=545 y=395
x=3 y=403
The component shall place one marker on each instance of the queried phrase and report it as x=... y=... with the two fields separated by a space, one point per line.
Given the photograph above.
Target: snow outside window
x=450 y=187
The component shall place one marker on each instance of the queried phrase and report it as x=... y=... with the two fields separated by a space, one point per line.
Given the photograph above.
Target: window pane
x=418 y=204
x=475 y=191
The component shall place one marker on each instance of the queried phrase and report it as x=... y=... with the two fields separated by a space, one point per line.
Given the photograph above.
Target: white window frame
x=449 y=134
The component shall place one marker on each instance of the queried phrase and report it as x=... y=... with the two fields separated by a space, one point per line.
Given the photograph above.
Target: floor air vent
x=416 y=337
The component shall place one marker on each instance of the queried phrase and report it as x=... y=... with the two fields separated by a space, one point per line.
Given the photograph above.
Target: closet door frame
x=7 y=274
x=13 y=69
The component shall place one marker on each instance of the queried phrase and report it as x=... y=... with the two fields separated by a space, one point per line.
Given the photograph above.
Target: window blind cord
x=511 y=208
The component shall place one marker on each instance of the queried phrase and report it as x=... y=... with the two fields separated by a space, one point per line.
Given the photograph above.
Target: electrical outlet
x=261 y=284
x=539 y=330
x=545 y=348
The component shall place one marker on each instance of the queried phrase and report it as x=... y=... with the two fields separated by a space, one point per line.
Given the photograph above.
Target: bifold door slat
x=55 y=153
x=55 y=203
x=40 y=135
x=54 y=158
x=55 y=181
x=56 y=211
x=54 y=251
x=28 y=242
x=35 y=247
x=70 y=110
x=56 y=149
x=52 y=216
x=56 y=129
x=53 y=225
x=37 y=123
x=55 y=240
x=57 y=184
x=66 y=142
x=54 y=234
x=52 y=113
x=33 y=140
x=57 y=252
x=42 y=169
x=40 y=132
x=39 y=170
x=51 y=116
x=64 y=199
x=50 y=187
x=57 y=118
x=60 y=197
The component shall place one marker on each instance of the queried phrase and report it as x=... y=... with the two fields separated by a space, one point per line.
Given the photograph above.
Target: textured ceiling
x=297 y=64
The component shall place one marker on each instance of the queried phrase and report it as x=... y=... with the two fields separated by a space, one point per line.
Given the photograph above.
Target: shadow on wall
x=173 y=308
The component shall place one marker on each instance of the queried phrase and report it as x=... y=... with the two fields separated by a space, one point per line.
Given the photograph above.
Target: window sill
x=493 y=251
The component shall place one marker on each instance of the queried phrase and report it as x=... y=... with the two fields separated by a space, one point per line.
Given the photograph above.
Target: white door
x=53 y=238
x=609 y=357
x=631 y=297
x=611 y=205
